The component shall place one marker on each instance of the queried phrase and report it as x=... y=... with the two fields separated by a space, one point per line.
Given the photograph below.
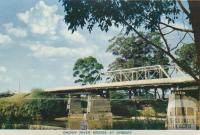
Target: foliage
x=12 y=112
x=106 y=13
x=133 y=111
x=37 y=92
x=139 y=108
x=119 y=108
x=139 y=124
x=44 y=105
x=83 y=104
x=117 y=95
x=130 y=54
x=187 y=55
x=86 y=70
x=148 y=112
x=25 y=108
x=145 y=15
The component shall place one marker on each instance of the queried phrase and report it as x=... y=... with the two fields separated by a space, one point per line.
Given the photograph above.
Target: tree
x=194 y=7
x=87 y=70
x=134 y=15
x=129 y=54
x=186 y=55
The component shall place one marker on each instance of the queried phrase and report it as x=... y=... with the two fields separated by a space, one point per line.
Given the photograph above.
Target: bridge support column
x=155 y=93
x=89 y=104
x=68 y=104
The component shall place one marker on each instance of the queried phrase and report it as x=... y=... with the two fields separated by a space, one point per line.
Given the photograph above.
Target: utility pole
x=19 y=86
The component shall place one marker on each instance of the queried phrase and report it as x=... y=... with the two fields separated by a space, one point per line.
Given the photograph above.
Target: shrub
x=148 y=112
x=24 y=108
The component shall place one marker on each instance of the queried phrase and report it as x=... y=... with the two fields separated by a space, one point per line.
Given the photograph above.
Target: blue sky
x=37 y=49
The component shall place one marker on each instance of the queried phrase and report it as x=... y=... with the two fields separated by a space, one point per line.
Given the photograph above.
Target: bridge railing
x=142 y=73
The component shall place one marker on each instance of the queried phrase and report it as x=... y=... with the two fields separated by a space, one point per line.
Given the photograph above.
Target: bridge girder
x=142 y=77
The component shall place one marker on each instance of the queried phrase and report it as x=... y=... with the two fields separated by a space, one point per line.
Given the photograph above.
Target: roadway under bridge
x=141 y=77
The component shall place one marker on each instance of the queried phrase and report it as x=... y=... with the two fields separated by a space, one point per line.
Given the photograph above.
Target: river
x=115 y=123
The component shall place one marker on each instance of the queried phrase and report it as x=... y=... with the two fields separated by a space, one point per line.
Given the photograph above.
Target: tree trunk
x=195 y=19
x=194 y=6
x=129 y=94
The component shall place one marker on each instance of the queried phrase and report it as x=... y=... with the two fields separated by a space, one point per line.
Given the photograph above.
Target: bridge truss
x=142 y=73
x=149 y=76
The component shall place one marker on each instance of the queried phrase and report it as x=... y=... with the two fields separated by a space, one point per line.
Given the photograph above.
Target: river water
x=122 y=123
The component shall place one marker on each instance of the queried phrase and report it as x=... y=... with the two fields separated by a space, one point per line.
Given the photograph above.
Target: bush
x=37 y=93
x=148 y=112
x=12 y=112
x=133 y=111
x=139 y=124
x=119 y=108
x=25 y=108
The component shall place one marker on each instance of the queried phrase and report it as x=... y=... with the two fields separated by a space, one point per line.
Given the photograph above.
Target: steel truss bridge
x=156 y=76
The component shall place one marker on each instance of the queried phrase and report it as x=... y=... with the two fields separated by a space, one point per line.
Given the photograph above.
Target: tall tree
x=86 y=70
x=187 y=55
x=129 y=54
x=134 y=15
x=195 y=20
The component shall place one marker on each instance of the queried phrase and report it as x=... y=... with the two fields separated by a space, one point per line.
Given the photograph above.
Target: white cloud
x=42 y=50
x=4 y=39
x=42 y=33
x=43 y=19
x=18 y=32
x=76 y=36
x=3 y=69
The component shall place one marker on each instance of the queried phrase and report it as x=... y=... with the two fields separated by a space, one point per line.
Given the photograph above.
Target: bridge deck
x=125 y=85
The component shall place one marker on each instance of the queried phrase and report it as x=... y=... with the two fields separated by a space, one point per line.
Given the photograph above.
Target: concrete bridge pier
x=155 y=93
x=75 y=112
x=183 y=107
x=98 y=111
x=68 y=104
x=88 y=104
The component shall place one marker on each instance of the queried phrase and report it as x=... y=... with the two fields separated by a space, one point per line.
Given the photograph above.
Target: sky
x=37 y=49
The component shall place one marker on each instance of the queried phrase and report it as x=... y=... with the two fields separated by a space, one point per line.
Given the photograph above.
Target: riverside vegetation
x=19 y=110
x=25 y=108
